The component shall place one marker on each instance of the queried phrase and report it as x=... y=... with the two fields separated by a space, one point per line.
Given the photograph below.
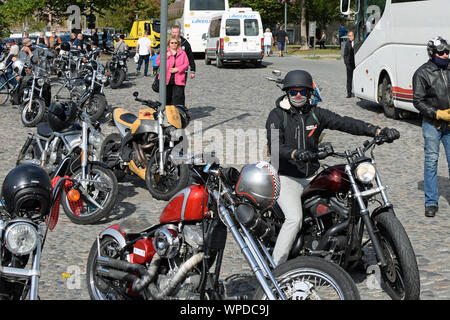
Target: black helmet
x=437 y=44
x=185 y=115
x=61 y=115
x=296 y=79
x=65 y=46
x=259 y=184
x=27 y=190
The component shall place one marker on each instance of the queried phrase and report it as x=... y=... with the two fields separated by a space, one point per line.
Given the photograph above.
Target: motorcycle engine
x=166 y=242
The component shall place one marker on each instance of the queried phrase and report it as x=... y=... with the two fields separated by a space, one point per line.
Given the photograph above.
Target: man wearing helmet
x=431 y=90
x=293 y=129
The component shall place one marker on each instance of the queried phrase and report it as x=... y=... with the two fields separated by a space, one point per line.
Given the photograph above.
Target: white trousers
x=291 y=204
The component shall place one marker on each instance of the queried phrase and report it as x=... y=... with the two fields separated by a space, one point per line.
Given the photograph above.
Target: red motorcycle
x=174 y=259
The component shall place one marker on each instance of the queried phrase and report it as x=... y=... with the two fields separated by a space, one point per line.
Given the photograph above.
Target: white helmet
x=18 y=67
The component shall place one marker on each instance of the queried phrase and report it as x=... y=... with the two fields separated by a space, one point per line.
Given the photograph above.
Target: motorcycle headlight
x=99 y=77
x=104 y=79
x=40 y=82
x=121 y=63
x=365 y=172
x=21 y=238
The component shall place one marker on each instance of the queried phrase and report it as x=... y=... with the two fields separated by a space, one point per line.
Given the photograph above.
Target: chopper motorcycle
x=172 y=260
x=77 y=144
x=118 y=69
x=143 y=145
x=27 y=213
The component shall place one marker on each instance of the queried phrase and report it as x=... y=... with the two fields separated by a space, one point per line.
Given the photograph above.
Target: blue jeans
x=432 y=140
x=267 y=49
x=145 y=60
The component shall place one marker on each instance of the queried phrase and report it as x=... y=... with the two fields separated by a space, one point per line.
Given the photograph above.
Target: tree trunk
x=303 y=33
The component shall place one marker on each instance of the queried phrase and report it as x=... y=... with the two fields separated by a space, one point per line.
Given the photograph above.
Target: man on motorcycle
x=293 y=130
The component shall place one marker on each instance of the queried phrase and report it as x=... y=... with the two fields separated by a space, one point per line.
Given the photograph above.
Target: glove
x=304 y=155
x=390 y=134
x=443 y=115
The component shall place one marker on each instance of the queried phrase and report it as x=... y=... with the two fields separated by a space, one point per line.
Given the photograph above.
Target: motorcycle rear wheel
x=401 y=278
x=106 y=198
x=329 y=281
x=35 y=114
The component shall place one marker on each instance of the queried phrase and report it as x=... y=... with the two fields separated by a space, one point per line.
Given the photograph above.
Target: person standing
x=121 y=46
x=104 y=39
x=79 y=44
x=144 y=48
x=431 y=96
x=95 y=37
x=268 y=40
x=54 y=42
x=177 y=64
x=322 y=40
x=42 y=39
x=349 y=60
x=282 y=40
x=342 y=33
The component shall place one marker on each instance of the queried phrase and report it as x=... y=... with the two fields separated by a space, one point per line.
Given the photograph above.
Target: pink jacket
x=181 y=63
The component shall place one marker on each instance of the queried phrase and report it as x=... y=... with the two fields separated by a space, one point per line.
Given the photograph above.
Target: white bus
x=390 y=44
x=194 y=16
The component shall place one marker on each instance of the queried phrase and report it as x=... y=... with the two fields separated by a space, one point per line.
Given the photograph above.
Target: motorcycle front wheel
x=164 y=187
x=312 y=278
x=32 y=115
x=401 y=278
x=102 y=190
x=117 y=78
x=96 y=106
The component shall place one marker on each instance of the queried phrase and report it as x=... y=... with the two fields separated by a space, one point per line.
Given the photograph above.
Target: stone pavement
x=224 y=101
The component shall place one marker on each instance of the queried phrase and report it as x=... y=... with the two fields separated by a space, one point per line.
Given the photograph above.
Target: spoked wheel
x=101 y=196
x=401 y=275
x=101 y=288
x=312 y=278
x=32 y=114
x=96 y=106
x=164 y=187
x=4 y=93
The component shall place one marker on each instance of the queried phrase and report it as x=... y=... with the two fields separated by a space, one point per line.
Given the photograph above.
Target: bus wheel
x=387 y=99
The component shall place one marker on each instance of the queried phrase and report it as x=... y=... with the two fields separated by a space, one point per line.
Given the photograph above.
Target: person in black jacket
x=431 y=96
x=293 y=130
x=349 y=60
x=185 y=45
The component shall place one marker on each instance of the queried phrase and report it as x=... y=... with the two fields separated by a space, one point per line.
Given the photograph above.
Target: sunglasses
x=441 y=53
x=173 y=42
x=302 y=92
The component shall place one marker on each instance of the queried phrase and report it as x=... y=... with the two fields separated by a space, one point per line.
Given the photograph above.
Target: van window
x=251 y=27
x=214 y=28
x=233 y=27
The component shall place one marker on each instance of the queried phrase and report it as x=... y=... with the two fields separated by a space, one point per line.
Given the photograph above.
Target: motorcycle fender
x=381 y=209
x=114 y=232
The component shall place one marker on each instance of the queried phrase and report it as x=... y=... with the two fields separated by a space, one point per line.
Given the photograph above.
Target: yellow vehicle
x=153 y=27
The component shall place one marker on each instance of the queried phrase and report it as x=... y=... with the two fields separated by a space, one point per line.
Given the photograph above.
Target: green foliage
x=271 y=11
x=322 y=11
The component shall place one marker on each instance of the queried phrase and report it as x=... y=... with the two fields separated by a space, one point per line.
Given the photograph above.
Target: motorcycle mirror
x=135 y=94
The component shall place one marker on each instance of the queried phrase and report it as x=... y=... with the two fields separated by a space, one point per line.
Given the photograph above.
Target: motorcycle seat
x=134 y=226
x=44 y=130
x=124 y=117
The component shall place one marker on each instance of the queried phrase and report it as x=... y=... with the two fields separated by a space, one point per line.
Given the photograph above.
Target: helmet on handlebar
x=27 y=189
x=65 y=46
x=259 y=184
x=18 y=67
x=184 y=115
x=61 y=115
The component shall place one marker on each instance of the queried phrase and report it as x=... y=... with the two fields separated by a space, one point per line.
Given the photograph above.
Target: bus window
x=233 y=27
x=369 y=13
x=209 y=5
x=251 y=27
x=156 y=27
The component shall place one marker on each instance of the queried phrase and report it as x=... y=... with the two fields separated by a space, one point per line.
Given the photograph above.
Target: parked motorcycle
x=336 y=214
x=118 y=69
x=28 y=210
x=140 y=143
x=174 y=259
x=79 y=143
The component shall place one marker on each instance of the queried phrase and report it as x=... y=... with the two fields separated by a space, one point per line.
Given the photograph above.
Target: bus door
x=252 y=36
x=233 y=36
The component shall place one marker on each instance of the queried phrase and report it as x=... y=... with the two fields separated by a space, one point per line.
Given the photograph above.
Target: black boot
x=431 y=211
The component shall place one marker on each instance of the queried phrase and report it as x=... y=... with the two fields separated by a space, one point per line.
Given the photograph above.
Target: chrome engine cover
x=166 y=242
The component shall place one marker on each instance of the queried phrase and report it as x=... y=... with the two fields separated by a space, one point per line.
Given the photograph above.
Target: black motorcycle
x=118 y=69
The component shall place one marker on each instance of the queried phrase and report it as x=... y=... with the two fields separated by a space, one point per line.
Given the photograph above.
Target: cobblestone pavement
x=239 y=97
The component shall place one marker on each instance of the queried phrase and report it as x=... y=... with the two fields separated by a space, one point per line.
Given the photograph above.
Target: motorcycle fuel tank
x=331 y=180
x=186 y=205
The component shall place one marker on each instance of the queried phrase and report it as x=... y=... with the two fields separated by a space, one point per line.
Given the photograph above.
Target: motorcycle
x=22 y=239
x=173 y=259
x=336 y=213
x=118 y=69
x=140 y=143
x=79 y=145
x=37 y=97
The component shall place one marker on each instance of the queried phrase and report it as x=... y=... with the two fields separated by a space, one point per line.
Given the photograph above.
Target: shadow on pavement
x=443 y=187
x=405 y=116
x=201 y=112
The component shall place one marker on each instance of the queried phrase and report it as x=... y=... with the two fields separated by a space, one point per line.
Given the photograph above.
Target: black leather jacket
x=301 y=131
x=431 y=89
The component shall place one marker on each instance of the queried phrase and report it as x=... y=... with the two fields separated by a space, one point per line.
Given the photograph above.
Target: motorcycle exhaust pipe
x=331 y=232
x=176 y=280
x=116 y=274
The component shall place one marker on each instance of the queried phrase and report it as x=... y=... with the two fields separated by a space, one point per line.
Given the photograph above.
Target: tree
x=322 y=11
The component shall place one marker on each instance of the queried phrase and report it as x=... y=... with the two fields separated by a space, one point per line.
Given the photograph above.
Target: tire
x=219 y=63
x=4 y=93
x=257 y=63
x=96 y=106
x=97 y=288
x=207 y=60
x=303 y=267
x=387 y=99
x=117 y=78
x=31 y=118
x=107 y=197
x=400 y=255
x=110 y=152
x=176 y=178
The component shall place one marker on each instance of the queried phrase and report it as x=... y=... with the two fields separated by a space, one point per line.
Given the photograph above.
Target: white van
x=236 y=35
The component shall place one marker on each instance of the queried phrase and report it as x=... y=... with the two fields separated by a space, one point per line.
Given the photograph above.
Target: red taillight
x=262 y=46
x=222 y=44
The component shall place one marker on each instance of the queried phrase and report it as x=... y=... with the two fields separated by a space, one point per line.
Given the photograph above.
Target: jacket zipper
x=304 y=143
x=446 y=86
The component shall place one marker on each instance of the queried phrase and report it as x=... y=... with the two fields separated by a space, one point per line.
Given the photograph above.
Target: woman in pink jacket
x=177 y=64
